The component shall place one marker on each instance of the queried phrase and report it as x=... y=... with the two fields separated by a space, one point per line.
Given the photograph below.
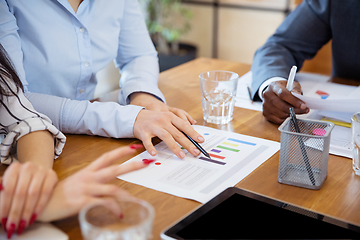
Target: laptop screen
x=240 y=214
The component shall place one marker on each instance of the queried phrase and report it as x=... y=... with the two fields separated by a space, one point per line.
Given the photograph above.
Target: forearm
x=298 y=38
x=36 y=147
x=107 y=119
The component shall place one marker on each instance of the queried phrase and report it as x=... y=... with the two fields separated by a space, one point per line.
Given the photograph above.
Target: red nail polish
x=148 y=161
x=32 y=219
x=11 y=230
x=3 y=223
x=1 y=187
x=136 y=146
x=21 y=227
x=121 y=216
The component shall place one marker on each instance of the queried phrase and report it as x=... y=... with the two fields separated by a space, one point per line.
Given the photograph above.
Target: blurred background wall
x=230 y=30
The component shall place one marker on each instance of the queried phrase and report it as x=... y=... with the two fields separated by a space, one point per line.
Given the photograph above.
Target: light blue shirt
x=58 y=52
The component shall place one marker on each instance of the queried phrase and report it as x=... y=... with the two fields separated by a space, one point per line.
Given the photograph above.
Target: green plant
x=167 y=21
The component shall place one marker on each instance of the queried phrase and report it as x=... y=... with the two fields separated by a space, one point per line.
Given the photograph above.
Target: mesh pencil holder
x=304 y=156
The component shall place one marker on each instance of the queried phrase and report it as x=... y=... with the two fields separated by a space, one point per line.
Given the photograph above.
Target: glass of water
x=98 y=222
x=218 y=92
x=355 y=129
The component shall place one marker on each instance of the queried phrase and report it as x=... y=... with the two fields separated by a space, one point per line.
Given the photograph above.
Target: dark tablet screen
x=239 y=214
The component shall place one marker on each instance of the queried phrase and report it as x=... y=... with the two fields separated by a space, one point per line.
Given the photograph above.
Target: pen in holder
x=304 y=152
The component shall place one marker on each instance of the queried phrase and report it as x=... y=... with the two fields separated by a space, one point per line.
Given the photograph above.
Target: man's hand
x=278 y=100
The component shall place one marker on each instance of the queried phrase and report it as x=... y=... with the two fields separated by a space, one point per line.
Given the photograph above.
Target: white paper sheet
x=234 y=156
x=242 y=95
x=340 y=138
x=341 y=116
x=327 y=96
x=339 y=105
x=38 y=231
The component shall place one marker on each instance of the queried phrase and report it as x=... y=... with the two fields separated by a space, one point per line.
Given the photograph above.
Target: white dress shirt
x=58 y=52
x=18 y=118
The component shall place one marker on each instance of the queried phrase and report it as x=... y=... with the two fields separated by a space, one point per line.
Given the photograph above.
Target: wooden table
x=338 y=197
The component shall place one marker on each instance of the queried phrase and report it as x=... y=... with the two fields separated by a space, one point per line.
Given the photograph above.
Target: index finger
x=108 y=158
x=9 y=183
x=185 y=127
x=109 y=173
x=183 y=115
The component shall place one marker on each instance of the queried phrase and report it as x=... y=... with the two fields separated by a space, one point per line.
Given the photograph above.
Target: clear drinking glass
x=218 y=92
x=355 y=135
x=98 y=222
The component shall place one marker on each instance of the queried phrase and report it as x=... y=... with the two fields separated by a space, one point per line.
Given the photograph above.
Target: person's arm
x=110 y=119
x=138 y=62
x=26 y=186
x=107 y=119
x=299 y=37
x=136 y=57
x=10 y=39
x=37 y=147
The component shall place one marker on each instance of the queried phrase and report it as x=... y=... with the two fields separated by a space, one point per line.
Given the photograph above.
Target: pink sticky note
x=319 y=131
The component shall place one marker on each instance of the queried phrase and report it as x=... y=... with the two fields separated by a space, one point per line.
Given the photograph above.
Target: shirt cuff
x=265 y=84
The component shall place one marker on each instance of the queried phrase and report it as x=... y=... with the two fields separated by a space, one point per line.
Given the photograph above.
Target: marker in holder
x=304 y=152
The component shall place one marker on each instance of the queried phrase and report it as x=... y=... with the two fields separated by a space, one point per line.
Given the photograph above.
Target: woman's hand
x=167 y=123
x=26 y=189
x=89 y=185
x=168 y=127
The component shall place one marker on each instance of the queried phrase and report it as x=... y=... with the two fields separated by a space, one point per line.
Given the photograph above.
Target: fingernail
x=32 y=219
x=11 y=230
x=3 y=222
x=136 y=146
x=303 y=106
x=1 y=187
x=182 y=154
x=22 y=225
x=148 y=161
x=197 y=152
x=121 y=216
x=201 y=139
x=152 y=153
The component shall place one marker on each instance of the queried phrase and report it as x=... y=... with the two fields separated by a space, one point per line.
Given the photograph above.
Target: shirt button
x=86 y=64
x=81 y=90
x=82 y=29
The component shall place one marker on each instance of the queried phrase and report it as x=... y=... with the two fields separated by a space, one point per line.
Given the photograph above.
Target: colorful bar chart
x=224 y=148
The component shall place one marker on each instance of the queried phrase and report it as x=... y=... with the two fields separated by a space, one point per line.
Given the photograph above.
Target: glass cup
x=100 y=223
x=218 y=92
x=355 y=139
